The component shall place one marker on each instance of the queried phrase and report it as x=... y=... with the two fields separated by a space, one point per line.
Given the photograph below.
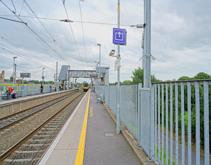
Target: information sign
x=25 y=75
x=119 y=36
x=117 y=64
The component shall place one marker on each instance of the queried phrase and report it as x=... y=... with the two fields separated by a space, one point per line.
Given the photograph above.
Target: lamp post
x=14 y=70
x=99 y=59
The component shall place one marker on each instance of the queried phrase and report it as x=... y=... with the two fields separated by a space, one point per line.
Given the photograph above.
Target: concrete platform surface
x=103 y=146
x=64 y=149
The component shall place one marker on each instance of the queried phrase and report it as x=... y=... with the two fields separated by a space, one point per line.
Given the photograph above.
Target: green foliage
x=183 y=78
x=11 y=78
x=202 y=75
x=138 y=76
x=126 y=82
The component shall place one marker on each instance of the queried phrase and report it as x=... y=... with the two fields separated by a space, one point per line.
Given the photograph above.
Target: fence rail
x=27 y=90
x=179 y=112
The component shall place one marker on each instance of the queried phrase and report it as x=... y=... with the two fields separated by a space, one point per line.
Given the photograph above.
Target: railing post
x=139 y=113
x=152 y=122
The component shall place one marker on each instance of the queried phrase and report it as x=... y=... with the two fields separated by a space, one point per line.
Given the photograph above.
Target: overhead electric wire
x=45 y=28
x=19 y=55
x=21 y=7
x=83 y=30
x=33 y=31
x=21 y=48
x=24 y=56
x=13 y=6
x=72 y=32
x=56 y=19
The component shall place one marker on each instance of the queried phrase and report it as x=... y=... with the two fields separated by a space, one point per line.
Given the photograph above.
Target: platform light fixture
x=139 y=25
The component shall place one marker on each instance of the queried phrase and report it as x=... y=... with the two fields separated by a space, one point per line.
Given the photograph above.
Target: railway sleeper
x=13 y=134
x=20 y=161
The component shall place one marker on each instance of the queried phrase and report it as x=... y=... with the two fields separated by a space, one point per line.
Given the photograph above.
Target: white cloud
x=180 y=36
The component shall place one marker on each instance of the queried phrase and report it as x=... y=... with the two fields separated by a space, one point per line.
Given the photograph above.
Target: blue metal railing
x=179 y=119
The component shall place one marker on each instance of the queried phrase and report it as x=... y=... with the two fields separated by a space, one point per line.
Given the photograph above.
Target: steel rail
x=13 y=123
x=21 y=141
x=8 y=116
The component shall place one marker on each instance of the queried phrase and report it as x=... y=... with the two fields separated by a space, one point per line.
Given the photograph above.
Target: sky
x=180 y=36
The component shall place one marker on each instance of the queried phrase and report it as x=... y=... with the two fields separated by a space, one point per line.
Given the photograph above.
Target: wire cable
x=21 y=48
x=23 y=56
x=45 y=28
x=83 y=30
x=13 y=6
x=56 y=19
x=72 y=33
x=34 y=31
x=21 y=8
x=20 y=56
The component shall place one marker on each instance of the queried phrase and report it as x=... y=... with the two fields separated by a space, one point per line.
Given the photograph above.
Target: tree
x=202 y=75
x=184 y=78
x=11 y=79
x=138 y=76
x=126 y=82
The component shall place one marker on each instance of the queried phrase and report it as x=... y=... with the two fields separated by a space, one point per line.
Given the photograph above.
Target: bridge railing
x=175 y=128
x=181 y=121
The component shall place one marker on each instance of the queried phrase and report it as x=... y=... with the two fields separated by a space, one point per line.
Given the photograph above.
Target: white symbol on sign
x=119 y=36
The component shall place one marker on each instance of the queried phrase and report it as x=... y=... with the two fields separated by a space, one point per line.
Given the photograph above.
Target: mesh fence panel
x=106 y=95
x=112 y=98
x=28 y=90
x=129 y=107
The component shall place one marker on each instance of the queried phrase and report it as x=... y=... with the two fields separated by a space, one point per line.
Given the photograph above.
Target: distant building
x=2 y=77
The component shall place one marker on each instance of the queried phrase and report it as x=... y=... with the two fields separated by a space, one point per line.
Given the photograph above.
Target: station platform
x=88 y=137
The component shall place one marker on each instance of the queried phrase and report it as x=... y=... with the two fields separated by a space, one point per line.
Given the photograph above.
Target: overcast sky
x=181 y=36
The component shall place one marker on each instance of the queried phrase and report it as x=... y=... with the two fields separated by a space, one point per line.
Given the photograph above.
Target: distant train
x=85 y=86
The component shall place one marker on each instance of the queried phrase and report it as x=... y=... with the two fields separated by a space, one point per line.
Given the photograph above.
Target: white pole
x=118 y=78
x=148 y=44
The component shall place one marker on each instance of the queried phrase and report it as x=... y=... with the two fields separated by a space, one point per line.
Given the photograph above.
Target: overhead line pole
x=147 y=45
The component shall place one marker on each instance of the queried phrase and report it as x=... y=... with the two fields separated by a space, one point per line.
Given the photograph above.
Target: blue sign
x=119 y=36
x=43 y=77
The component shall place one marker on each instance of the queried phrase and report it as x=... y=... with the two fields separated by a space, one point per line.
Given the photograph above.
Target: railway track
x=11 y=119
x=29 y=149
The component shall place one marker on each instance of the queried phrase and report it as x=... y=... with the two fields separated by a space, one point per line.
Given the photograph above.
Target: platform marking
x=81 y=146
x=91 y=112
x=91 y=97
x=49 y=151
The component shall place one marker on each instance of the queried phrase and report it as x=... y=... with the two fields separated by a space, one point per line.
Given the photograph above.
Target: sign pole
x=118 y=79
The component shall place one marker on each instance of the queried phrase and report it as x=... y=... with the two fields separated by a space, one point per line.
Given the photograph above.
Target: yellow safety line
x=81 y=146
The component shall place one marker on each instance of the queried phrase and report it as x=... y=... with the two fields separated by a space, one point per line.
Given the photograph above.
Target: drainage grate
x=108 y=134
